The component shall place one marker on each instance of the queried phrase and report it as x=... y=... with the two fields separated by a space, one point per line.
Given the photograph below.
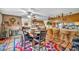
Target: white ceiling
x=41 y=11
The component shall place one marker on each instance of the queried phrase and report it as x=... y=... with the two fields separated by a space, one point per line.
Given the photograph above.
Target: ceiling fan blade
x=35 y=9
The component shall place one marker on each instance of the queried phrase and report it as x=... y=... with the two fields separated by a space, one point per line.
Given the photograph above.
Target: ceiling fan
x=31 y=12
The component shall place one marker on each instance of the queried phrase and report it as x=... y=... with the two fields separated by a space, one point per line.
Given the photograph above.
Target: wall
x=72 y=18
x=69 y=18
x=8 y=23
x=26 y=20
x=0 y=19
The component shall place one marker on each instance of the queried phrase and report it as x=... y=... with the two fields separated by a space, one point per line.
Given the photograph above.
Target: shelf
x=65 y=29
